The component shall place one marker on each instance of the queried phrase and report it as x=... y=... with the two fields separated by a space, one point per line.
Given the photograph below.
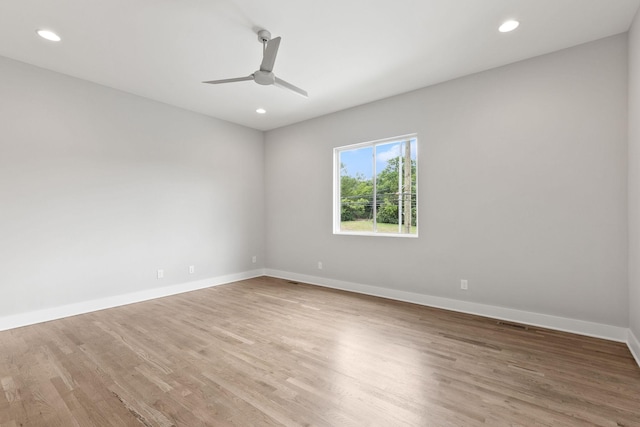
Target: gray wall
x=522 y=178
x=99 y=189
x=523 y=191
x=634 y=177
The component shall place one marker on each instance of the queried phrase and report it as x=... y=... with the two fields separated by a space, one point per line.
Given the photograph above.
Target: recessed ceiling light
x=261 y=111
x=508 y=26
x=49 y=35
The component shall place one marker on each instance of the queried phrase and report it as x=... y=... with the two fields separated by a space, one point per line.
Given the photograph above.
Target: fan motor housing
x=264 y=77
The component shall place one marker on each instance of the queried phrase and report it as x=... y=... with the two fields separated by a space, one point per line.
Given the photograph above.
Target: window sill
x=347 y=233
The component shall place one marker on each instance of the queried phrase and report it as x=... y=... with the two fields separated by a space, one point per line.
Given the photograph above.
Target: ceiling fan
x=265 y=76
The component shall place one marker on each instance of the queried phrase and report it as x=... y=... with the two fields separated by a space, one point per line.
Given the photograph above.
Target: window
x=375 y=188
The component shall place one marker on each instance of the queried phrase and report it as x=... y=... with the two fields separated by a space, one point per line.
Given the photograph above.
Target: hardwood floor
x=267 y=352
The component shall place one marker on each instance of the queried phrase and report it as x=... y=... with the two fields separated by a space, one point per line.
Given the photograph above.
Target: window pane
x=395 y=187
x=356 y=189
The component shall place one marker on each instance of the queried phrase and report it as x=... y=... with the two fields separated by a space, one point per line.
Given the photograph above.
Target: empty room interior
x=295 y=213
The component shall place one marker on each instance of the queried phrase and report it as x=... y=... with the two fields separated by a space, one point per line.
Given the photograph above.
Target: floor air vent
x=512 y=325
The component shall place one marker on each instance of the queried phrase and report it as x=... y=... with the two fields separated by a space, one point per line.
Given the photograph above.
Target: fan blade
x=285 y=85
x=269 y=59
x=237 y=79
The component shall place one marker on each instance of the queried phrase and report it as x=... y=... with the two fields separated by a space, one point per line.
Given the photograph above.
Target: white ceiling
x=343 y=52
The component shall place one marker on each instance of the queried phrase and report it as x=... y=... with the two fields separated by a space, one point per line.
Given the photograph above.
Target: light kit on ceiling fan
x=264 y=76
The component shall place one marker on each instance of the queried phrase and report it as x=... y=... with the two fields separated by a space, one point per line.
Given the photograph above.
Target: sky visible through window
x=360 y=161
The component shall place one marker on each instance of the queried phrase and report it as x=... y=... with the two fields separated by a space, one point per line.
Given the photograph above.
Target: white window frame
x=337 y=181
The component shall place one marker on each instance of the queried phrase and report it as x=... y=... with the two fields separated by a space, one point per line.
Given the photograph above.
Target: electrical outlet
x=192 y=269
x=254 y=259
x=160 y=274
x=464 y=285
x=319 y=265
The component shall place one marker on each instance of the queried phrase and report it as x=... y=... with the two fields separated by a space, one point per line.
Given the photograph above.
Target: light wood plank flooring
x=265 y=352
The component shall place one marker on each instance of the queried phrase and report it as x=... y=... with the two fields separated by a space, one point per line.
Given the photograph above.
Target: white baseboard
x=45 y=315
x=581 y=327
x=634 y=346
